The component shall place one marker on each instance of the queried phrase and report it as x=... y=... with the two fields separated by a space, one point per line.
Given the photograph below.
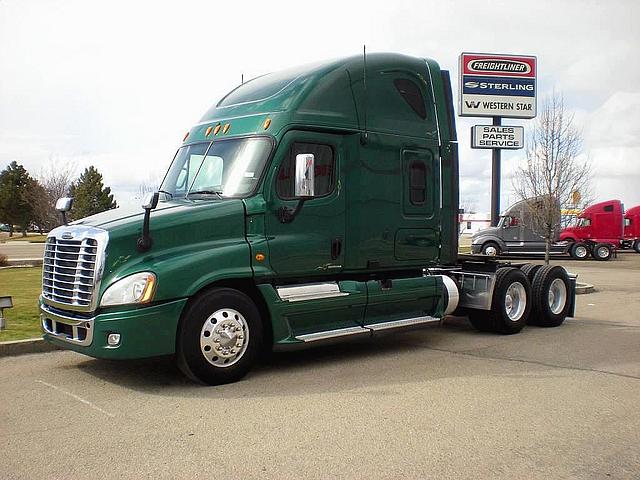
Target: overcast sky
x=117 y=84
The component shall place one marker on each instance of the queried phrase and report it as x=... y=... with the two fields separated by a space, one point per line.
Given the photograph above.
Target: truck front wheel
x=636 y=246
x=491 y=249
x=550 y=296
x=510 y=305
x=220 y=337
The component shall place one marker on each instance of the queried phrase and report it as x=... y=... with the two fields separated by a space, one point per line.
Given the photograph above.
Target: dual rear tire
x=537 y=295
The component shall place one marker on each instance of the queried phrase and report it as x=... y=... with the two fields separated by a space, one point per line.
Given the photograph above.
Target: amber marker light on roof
x=226 y=127
x=260 y=257
x=186 y=135
x=216 y=130
x=267 y=122
x=208 y=132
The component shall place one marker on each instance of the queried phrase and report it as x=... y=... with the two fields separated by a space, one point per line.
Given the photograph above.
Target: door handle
x=336 y=248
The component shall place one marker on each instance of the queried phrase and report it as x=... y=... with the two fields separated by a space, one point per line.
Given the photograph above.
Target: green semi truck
x=309 y=205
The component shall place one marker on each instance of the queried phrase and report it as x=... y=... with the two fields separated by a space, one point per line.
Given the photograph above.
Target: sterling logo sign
x=494 y=85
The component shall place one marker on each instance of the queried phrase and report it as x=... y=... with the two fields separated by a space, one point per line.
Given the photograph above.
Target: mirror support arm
x=287 y=215
x=145 y=242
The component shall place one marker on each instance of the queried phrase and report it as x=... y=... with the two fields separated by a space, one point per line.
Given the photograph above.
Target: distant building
x=471 y=223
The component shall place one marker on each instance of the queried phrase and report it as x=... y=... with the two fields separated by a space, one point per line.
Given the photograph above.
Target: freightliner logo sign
x=494 y=85
x=494 y=136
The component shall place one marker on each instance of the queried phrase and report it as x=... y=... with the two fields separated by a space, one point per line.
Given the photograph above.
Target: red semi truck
x=606 y=222
x=632 y=228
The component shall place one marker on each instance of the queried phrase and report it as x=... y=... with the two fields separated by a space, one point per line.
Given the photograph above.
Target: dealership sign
x=494 y=85
x=497 y=136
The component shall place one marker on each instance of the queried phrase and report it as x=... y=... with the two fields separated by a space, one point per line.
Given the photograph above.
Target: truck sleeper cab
x=287 y=219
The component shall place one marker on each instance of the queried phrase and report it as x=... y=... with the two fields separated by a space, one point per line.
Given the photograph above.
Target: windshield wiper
x=166 y=193
x=206 y=192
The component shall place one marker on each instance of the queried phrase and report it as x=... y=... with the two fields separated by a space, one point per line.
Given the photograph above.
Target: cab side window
x=325 y=165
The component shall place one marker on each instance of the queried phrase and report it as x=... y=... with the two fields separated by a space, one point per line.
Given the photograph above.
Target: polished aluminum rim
x=491 y=251
x=224 y=337
x=581 y=251
x=603 y=252
x=515 y=301
x=557 y=296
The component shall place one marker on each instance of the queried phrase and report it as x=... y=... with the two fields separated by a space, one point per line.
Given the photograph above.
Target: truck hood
x=120 y=216
x=487 y=232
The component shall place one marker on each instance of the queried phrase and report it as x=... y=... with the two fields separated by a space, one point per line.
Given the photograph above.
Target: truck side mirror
x=304 y=186
x=305 y=175
x=149 y=202
x=63 y=205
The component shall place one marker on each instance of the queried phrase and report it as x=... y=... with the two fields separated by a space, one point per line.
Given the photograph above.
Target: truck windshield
x=225 y=168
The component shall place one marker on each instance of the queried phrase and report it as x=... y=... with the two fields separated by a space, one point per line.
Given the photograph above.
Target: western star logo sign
x=494 y=85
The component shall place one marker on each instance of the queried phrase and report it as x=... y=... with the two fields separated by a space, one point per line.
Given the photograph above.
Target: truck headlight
x=136 y=288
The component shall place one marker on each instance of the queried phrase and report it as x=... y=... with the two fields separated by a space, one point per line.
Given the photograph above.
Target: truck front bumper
x=143 y=331
x=476 y=248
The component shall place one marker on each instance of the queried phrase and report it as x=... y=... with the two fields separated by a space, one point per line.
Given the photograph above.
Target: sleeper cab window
x=417 y=182
x=325 y=165
x=410 y=91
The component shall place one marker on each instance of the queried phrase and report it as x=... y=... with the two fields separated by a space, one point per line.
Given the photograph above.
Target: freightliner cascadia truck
x=309 y=205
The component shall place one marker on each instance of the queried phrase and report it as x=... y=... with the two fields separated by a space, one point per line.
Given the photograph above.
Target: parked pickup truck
x=310 y=205
x=517 y=234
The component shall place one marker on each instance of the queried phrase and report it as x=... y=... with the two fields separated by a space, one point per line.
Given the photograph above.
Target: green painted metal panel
x=406 y=298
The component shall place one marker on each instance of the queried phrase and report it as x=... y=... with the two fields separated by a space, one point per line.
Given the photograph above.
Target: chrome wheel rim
x=581 y=252
x=557 y=296
x=515 y=301
x=224 y=337
x=491 y=251
x=603 y=252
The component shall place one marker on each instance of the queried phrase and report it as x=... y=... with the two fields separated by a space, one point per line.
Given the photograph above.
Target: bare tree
x=553 y=169
x=56 y=179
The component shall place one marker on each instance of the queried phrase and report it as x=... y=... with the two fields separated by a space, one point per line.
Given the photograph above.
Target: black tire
x=530 y=270
x=602 y=252
x=234 y=312
x=579 y=251
x=543 y=313
x=497 y=319
x=488 y=246
x=636 y=246
x=480 y=320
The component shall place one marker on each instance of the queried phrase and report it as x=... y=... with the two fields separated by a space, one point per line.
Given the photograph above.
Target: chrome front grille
x=72 y=267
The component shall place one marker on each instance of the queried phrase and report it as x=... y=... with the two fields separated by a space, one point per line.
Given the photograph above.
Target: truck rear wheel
x=550 y=296
x=602 y=252
x=510 y=305
x=579 y=251
x=530 y=270
x=220 y=337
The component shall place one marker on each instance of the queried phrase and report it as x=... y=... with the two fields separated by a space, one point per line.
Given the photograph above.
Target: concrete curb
x=582 y=288
x=30 y=262
x=23 y=347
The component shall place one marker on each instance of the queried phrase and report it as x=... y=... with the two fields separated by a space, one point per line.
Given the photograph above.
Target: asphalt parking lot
x=442 y=402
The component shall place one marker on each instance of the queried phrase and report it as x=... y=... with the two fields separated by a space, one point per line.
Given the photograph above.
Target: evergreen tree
x=90 y=196
x=15 y=188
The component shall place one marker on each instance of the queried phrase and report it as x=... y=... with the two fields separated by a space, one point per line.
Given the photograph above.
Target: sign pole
x=495 y=180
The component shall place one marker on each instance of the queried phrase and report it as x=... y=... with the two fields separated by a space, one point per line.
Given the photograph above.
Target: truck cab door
x=306 y=238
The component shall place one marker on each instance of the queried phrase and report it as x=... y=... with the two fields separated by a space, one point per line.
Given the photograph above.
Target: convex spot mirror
x=64 y=204
x=150 y=200
x=305 y=175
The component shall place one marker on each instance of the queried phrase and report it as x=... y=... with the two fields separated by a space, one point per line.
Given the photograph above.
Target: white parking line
x=76 y=397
